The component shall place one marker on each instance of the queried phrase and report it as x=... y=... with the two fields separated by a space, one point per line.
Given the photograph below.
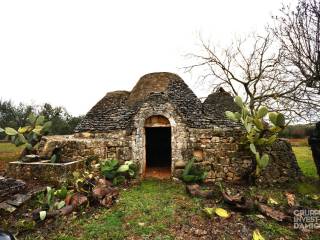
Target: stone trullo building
x=162 y=124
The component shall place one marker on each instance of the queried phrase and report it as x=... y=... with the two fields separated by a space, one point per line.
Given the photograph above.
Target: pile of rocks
x=13 y=194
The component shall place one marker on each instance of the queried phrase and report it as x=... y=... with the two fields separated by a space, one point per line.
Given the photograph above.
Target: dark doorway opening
x=158 y=151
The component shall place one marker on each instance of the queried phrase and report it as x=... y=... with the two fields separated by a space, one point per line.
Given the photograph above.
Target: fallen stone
x=10 y=186
x=18 y=199
x=36 y=190
x=7 y=207
x=30 y=158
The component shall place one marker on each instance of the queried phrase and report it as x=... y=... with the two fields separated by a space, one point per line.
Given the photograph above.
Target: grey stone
x=18 y=199
x=7 y=207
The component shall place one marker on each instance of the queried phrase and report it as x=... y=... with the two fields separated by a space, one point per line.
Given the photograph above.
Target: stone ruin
x=161 y=125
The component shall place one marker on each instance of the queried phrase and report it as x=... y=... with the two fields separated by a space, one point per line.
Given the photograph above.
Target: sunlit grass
x=305 y=161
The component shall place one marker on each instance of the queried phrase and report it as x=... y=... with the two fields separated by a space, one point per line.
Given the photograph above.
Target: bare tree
x=254 y=69
x=298 y=31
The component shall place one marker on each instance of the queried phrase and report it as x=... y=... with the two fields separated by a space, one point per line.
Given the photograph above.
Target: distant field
x=8 y=153
x=298 y=142
x=305 y=161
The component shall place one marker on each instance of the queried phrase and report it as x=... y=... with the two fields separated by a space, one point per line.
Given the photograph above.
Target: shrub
x=29 y=135
x=112 y=170
x=192 y=173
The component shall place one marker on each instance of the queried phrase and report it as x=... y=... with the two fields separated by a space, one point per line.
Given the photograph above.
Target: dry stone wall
x=81 y=146
x=217 y=151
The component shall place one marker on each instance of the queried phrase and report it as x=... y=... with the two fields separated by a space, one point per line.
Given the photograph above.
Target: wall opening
x=158 y=147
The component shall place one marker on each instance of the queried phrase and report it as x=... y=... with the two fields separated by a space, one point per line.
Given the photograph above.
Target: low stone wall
x=218 y=152
x=54 y=173
x=80 y=146
x=4 y=164
x=283 y=165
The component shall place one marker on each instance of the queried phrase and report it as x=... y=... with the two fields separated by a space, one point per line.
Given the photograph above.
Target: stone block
x=7 y=207
x=18 y=199
x=180 y=164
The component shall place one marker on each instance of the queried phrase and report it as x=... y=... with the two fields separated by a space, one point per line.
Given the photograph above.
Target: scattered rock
x=10 y=186
x=7 y=207
x=18 y=199
x=31 y=158
x=180 y=164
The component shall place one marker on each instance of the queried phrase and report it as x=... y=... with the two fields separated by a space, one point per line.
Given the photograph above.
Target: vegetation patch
x=305 y=161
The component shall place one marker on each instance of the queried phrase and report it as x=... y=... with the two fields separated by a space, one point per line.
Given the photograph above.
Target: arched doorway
x=158 y=147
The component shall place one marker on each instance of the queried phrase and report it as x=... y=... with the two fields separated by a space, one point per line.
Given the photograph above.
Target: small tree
x=29 y=135
x=259 y=134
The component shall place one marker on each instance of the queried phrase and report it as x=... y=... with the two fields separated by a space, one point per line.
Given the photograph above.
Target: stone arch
x=178 y=133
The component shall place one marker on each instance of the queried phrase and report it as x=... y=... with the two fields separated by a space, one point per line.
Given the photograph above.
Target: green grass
x=9 y=152
x=305 y=161
x=145 y=211
x=155 y=209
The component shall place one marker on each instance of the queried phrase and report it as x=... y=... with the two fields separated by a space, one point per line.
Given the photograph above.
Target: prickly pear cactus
x=29 y=135
x=262 y=129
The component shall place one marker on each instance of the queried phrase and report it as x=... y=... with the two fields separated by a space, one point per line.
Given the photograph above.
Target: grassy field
x=305 y=161
x=158 y=209
x=8 y=153
x=145 y=211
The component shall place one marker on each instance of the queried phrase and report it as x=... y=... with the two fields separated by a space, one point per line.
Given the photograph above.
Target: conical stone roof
x=117 y=109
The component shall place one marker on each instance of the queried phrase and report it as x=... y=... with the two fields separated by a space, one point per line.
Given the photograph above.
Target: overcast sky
x=71 y=53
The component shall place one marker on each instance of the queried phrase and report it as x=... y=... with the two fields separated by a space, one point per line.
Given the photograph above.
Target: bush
x=192 y=173
x=112 y=170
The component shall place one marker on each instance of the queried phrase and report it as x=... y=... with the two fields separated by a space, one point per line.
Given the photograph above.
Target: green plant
x=192 y=173
x=109 y=168
x=29 y=135
x=46 y=199
x=61 y=193
x=112 y=170
x=83 y=182
x=51 y=199
x=259 y=134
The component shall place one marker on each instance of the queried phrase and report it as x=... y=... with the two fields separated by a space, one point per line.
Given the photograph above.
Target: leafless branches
x=298 y=31
x=256 y=68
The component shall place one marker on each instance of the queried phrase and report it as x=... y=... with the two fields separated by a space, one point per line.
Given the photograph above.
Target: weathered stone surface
x=283 y=165
x=115 y=129
x=7 y=207
x=31 y=158
x=18 y=199
x=180 y=164
x=10 y=186
x=54 y=173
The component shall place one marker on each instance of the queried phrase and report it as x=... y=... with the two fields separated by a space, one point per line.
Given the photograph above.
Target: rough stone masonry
x=115 y=129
